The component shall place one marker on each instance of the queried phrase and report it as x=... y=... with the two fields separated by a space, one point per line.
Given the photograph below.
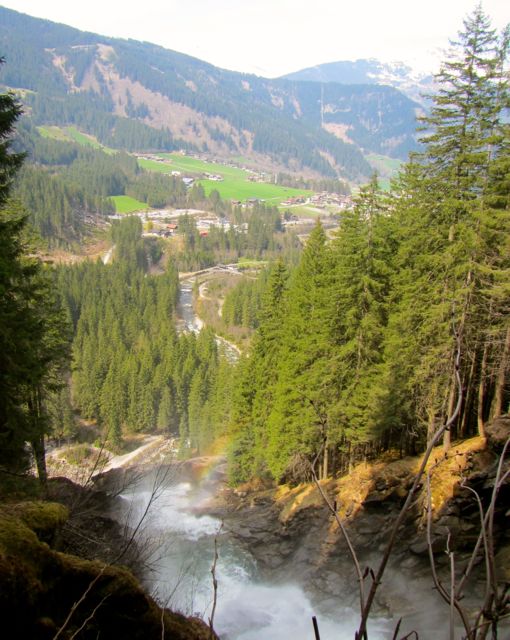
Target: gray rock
x=497 y=432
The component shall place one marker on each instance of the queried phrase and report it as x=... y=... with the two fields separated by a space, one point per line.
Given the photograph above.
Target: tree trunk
x=39 y=451
x=447 y=438
x=481 y=392
x=469 y=386
x=325 y=461
x=431 y=425
x=499 y=393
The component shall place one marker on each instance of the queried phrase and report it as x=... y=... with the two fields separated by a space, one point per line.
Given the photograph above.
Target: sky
x=274 y=37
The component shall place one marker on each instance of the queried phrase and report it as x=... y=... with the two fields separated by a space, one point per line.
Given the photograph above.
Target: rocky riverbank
x=292 y=534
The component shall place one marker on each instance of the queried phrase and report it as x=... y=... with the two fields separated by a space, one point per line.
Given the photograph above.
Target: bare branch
x=316 y=628
x=340 y=524
x=89 y=618
x=215 y=583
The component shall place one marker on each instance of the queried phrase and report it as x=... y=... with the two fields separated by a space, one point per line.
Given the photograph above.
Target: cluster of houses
x=295 y=200
x=258 y=177
x=168 y=229
x=325 y=198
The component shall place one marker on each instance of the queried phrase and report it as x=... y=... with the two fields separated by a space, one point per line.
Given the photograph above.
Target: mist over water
x=247 y=608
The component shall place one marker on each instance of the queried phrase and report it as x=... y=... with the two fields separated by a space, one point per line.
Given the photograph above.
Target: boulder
x=497 y=432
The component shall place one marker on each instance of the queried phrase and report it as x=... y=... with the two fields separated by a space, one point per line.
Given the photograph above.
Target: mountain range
x=413 y=84
x=139 y=97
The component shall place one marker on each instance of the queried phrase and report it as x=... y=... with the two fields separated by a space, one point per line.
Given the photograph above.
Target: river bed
x=188 y=321
x=181 y=538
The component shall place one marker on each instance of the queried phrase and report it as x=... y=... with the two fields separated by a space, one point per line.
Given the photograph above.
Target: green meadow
x=235 y=184
x=55 y=133
x=239 y=189
x=386 y=167
x=71 y=134
x=126 y=204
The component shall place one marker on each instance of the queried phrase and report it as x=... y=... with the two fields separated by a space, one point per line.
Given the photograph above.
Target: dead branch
x=316 y=628
x=495 y=605
x=75 y=606
x=158 y=486
x=215 y=584
x=89 y=618
x=450 y=598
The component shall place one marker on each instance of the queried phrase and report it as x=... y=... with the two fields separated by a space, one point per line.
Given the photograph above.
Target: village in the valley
x=299 y=211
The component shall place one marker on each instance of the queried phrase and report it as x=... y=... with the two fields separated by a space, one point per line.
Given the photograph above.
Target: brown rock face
x=497 y=432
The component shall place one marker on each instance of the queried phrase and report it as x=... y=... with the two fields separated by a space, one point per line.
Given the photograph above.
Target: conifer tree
x=303 y=387
x=445 y=223
x=363 y=259
x=33 y=340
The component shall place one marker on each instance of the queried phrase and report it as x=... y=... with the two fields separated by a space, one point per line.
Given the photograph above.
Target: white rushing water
x=247 y=609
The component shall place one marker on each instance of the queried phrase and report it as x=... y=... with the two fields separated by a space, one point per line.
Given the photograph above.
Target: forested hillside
x=355 y=348
x=137 y=96
x=359 y=347
x=132 y=372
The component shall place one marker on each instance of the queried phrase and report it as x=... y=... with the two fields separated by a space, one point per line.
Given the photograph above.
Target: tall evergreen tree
x=446 y=224
x=32 y=327
x=363 y=258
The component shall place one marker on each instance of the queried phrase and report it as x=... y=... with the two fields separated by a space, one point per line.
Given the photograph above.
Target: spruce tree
x=446 y=222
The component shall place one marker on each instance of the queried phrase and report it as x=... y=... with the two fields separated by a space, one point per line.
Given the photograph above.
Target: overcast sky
x=273 y=37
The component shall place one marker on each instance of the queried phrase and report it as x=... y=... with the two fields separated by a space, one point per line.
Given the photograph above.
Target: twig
x=156 y=492
x=397 y=629
x=215 y=584
x=78 y=602
x=316 y=628
x=450 y=598
x=453 y=602
x=89 y=618
x=339 y=522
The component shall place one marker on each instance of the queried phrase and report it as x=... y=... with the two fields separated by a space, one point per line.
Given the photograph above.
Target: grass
x=239 y=189
x=71 y=134
x=82 y=138
x=235 y=184
x=179 y=162
x=386 y=167
x=55 y=133
x=152 y=165
x=126 y=204
x=303 y=211
x=249 y=263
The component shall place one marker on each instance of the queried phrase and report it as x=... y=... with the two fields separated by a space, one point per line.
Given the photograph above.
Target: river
x=189 y=321
x=180 y=537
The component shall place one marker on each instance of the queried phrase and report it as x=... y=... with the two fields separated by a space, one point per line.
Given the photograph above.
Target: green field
x=302 y=211
x=126 y=204
x=55 y=133
x=235 y=184
x=71 y=134
x=83 y=139
x=179 y=162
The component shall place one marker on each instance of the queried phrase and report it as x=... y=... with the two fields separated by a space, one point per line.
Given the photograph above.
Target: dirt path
x=152 y=447
x=152 y=450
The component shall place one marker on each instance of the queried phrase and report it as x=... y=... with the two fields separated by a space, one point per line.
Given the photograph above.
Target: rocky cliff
x=292 y=533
